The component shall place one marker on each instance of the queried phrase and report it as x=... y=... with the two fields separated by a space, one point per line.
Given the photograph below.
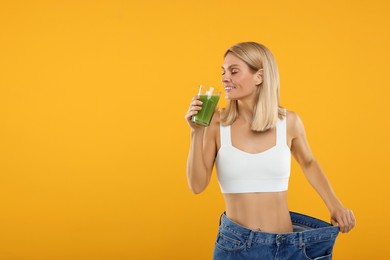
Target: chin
x=230 y=97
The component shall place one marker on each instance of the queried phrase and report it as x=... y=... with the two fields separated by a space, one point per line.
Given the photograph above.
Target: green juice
x=204 y=115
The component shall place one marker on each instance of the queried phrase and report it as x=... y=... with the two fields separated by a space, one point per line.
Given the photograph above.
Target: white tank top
x=242 y=172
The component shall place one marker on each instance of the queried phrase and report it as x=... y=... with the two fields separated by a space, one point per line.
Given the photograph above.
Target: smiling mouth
x=229 y=88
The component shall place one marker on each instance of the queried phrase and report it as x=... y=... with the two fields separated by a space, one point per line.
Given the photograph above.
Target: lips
x=229 y=88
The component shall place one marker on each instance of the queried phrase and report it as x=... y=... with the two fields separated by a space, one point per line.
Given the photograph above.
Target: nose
x=225 y=79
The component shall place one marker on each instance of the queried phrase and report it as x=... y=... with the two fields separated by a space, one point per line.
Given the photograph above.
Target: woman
x=251 y=142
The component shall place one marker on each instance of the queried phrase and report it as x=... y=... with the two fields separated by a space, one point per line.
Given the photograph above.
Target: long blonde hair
x=267 y=109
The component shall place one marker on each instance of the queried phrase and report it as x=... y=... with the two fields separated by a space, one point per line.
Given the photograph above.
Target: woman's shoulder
x=216 y=119
x=212 y=131
x=294 y=123
x=291 y=116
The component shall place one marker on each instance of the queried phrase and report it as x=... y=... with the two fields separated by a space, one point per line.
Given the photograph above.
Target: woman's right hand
x=195 y=106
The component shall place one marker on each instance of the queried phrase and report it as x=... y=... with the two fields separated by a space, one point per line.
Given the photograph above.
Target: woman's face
x=239 y=80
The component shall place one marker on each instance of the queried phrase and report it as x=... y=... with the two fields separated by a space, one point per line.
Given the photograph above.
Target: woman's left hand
x=344 y=218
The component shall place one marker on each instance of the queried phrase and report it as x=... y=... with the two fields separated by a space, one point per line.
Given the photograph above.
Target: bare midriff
x=259 y=211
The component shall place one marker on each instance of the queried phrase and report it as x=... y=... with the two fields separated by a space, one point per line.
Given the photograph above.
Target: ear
x=259 y=77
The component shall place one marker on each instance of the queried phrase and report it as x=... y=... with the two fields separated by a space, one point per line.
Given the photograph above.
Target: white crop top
x=242 y=172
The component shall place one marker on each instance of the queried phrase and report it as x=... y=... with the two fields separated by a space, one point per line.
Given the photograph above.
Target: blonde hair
x=267 y=109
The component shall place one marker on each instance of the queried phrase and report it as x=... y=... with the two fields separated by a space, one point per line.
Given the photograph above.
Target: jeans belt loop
x=301 y=243
x=250 y=239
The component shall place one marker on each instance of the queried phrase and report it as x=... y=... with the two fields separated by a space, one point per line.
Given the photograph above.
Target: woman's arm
x=202 y=151
x=300 y=149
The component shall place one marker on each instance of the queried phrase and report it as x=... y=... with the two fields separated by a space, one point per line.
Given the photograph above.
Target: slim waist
x=306 y=229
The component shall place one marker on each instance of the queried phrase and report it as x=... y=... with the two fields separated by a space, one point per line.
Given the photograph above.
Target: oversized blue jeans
x=311 y=239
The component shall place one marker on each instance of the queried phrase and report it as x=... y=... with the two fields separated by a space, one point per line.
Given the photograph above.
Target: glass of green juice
x=209 y=100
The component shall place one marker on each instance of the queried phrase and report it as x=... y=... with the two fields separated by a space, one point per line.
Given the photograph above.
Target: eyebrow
x=230 y=66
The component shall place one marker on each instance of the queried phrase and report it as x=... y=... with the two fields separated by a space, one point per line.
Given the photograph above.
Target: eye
x=234 y=71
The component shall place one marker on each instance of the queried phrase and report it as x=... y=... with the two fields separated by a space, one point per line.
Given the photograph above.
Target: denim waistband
x=306 y=229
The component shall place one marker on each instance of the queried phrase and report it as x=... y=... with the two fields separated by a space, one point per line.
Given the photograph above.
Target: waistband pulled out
x=306 y=229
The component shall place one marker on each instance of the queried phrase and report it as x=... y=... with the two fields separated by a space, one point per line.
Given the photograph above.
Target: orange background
x=93 y=142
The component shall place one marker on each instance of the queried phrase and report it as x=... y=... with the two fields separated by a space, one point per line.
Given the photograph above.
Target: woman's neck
x=245 y=110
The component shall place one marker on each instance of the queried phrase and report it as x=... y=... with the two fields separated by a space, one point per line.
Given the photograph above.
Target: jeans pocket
x=320 y=251
x=229 y=242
